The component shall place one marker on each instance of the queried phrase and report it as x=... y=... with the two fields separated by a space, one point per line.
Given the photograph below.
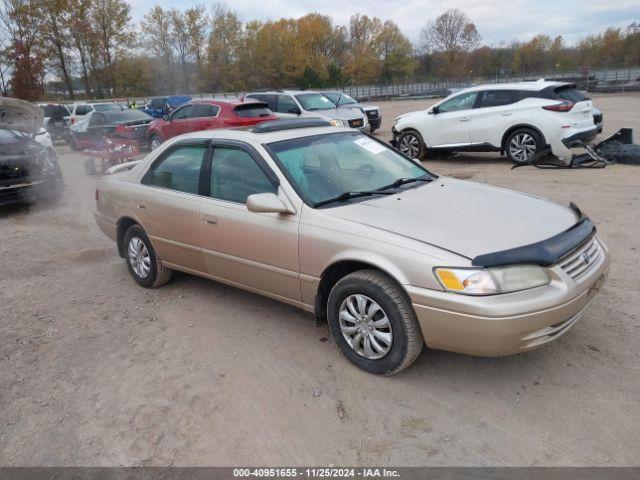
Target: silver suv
x=307 y=103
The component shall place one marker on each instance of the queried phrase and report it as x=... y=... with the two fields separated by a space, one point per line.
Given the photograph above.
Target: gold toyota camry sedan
x=337 y=223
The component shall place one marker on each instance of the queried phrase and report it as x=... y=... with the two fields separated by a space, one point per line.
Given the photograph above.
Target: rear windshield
x=52 y=110
x=252 y=110
x=107 y=107
x=125 y=116
x=571 y=94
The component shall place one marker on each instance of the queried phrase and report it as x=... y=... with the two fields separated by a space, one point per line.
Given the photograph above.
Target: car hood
x=20 y=116
x=341 y=113
x=466 y=218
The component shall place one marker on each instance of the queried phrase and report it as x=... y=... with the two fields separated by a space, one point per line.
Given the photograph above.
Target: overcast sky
x=496 y=20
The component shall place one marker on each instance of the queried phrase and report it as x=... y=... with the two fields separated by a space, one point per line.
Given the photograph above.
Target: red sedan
x=207 y=115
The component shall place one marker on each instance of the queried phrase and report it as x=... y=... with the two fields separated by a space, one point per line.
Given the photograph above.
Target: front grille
x=583 y=259
x=356 y=123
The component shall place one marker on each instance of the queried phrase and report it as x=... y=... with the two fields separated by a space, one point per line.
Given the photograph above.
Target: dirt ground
x=97 y=371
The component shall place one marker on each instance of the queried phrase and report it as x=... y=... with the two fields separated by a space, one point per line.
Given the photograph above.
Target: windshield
x=322 y=167
x=107 y=107
x=343 y=98
x=315 y=101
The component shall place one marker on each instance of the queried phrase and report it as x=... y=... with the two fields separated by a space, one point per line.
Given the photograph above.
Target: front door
x=167 y=204
x=179 y=122
x=256 y=250
x=450 y=126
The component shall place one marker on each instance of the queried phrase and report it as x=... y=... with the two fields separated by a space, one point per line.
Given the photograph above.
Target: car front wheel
x=142 y=261
x=523 y=145
x=372 y=321
x=410 y=143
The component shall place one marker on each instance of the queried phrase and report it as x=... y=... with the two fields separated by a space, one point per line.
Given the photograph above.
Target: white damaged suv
x=520 y=119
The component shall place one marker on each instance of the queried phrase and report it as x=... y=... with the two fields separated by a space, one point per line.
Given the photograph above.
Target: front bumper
x=506 y=324
x=30 y=192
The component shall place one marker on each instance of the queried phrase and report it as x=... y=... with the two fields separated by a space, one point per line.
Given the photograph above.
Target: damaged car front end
x=29 y=171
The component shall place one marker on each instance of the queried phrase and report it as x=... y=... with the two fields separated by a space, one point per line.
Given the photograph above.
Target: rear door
x=204 y=117
x=167 y=204
x=493 y=114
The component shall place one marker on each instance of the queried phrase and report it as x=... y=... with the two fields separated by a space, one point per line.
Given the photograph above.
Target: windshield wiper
x=349 y=195
x=404 y=181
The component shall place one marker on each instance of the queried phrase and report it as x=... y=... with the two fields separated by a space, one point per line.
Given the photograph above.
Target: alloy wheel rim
x=522 y=147
x=410 y=145
x=139 y=257
x=155 y=143
x=365 y=326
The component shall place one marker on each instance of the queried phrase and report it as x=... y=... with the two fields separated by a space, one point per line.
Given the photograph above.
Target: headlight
x=337 y=123
x=490 y=281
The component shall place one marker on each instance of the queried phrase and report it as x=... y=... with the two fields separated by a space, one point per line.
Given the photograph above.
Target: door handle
x=506 y=114
x=141 y=206
x=465 y=119
x=210 y=221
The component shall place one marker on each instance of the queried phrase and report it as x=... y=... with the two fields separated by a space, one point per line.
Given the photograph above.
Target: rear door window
x=497 y=98
x=83 y=109
x=179 y=170
x=249 y=110
x=204 y=110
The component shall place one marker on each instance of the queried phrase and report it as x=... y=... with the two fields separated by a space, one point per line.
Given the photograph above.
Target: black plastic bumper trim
x=581 y=137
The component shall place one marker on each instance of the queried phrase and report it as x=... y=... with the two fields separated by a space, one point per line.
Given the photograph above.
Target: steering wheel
x=365 y=170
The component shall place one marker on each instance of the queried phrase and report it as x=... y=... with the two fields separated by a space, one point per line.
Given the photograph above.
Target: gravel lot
x=97 y=371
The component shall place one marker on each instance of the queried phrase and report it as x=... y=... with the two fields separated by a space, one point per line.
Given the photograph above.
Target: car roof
x=529 y=86
x=219 y=102
x=247 y=135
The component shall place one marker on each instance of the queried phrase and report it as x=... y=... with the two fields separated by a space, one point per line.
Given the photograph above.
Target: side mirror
x=294 y=110
x=266 y=203
x=434 y=110
x=166 y=118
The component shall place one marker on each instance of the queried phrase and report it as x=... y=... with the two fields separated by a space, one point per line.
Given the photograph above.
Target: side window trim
x=206 y=157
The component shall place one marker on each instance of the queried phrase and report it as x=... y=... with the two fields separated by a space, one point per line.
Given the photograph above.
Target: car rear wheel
x=142 y=261
x=411 y=144
x=154 y=142
x=523 y=145
x=372 y=321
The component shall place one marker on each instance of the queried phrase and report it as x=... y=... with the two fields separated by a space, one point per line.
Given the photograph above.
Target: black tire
x=151 y=141
x=158 y=274
x=410 y=138
x=407 y=341
x=530 y=156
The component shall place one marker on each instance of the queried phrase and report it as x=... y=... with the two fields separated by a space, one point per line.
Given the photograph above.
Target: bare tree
x=157 y=36
x=451 y=34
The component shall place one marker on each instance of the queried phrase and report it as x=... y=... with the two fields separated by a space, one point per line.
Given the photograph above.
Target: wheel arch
x=520 y=126
x=123 y=225
x=334 y=273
